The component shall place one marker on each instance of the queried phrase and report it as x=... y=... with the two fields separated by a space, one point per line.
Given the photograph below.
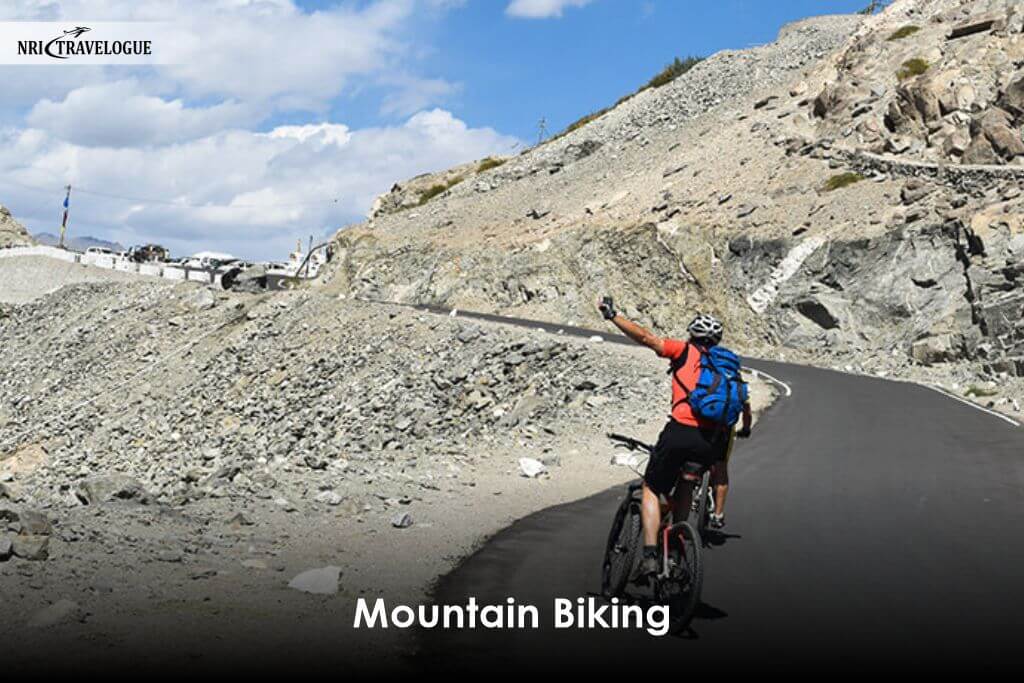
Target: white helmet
x=706 y=327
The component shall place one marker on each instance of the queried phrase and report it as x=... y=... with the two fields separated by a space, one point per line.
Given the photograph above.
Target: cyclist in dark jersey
x=686 y=437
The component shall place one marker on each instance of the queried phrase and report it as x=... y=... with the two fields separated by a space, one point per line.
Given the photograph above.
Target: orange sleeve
x=672 y=348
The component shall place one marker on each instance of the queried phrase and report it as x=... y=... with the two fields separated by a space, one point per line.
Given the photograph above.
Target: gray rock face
x=958 y=99
x=12 y=233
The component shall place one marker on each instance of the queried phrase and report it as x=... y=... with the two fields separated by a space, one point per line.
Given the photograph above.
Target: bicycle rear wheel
x=621 y=552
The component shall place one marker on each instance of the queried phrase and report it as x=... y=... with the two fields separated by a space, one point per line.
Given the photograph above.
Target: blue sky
x=285 y=118
x=512 y=72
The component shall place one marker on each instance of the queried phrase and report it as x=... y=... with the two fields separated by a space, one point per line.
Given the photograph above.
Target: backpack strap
x=677 y=365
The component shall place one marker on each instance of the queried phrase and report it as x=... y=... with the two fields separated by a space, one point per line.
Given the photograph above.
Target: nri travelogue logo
x=81 y=43
x=69 y=44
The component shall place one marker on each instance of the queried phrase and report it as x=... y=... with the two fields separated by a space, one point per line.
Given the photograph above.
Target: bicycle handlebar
x=630 y=443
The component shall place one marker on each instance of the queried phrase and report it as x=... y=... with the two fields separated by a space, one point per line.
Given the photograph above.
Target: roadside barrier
x=174 y=272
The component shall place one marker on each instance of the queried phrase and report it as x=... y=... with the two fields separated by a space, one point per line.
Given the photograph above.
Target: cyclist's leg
x=651 y=512
x=720 y=475
x=659 y=478
x=720 y=483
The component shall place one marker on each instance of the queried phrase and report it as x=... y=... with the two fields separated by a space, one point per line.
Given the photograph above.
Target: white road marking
x=760 y=373
x=994 y=413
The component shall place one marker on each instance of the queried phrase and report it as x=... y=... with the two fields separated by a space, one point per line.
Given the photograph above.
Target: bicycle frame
x=667 y=533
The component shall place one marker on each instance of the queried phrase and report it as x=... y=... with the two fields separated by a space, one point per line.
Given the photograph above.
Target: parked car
x=149 y=253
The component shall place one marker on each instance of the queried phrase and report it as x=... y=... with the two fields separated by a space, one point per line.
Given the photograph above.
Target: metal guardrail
x=280 y=281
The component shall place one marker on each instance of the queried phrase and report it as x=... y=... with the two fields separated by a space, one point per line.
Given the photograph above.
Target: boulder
x=31 y=547
x=402 y=520
x=933 y=349
x=202 y=300
x=1012 y=99
x=914 y=191
x=915 y=106
x=9 y=493
x=531 y=468
x=980 y=152
x=926 y=100
x=331 y=498
x=995 y=126
x=111 y=488
x=323 y=581
x=34 y=523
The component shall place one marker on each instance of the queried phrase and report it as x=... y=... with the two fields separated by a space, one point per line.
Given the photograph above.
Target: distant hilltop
x=78 y=243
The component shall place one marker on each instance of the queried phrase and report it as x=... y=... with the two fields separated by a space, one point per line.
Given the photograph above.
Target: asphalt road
x=872 y=525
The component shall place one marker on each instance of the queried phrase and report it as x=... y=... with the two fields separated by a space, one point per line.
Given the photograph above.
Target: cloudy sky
x=282 y=119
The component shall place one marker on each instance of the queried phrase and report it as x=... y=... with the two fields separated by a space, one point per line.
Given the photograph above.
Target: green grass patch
x=584 y=120
x=842 y=180
x=670 y=73
x=489 y=163
x=980 y=392
x=912 y=67
x=435 y=190
x=904 y=32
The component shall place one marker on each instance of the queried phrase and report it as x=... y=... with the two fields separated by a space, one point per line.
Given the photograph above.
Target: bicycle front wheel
x=681 y=591
x=621 y=552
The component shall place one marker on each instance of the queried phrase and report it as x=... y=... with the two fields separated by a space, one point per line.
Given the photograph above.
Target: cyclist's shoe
x=717 y=521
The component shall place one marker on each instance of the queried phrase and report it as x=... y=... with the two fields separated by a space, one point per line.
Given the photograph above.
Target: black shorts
x=679 y=444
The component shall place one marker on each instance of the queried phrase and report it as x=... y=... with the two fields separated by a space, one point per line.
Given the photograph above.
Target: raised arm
x=635 y=332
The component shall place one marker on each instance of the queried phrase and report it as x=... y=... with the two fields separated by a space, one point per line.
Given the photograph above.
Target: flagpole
x=64 y=223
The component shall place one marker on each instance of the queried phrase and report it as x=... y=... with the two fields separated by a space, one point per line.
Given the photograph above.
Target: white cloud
x=541 y=9
x=117 y=114
x=326 y=133
x=256 y=192
x=262 y=51
x=238 y=147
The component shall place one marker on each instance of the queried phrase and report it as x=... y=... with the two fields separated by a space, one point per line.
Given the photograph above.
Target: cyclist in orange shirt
x=685 y=438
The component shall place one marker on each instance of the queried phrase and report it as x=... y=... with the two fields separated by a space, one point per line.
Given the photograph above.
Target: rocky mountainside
x=12 y=233
x=245 y=384
x=823 y=194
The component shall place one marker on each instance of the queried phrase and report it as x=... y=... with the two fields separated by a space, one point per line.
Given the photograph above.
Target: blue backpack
x=720 y=392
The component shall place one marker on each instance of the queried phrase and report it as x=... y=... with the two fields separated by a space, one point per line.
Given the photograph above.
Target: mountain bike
x=679 y=582
x=703 y=504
